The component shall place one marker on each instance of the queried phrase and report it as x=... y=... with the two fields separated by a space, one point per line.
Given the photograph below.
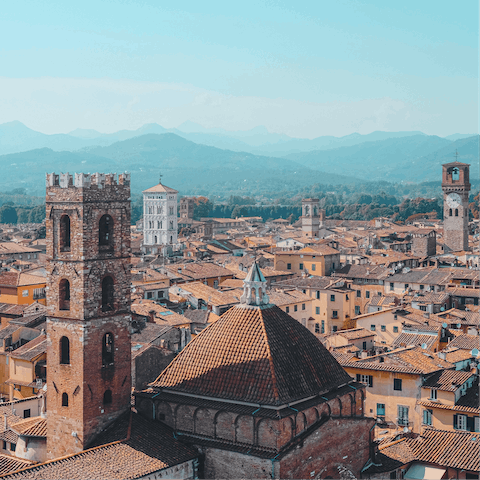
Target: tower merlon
x=84 y=180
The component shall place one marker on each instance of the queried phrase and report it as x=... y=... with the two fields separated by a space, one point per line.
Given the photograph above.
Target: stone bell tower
x=88 y=299
x=456 y=187
x=310 y=217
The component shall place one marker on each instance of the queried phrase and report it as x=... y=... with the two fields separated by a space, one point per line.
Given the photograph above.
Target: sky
x=304 y=68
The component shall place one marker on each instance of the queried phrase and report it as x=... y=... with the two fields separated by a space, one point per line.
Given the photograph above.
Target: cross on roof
x=160 y=181
x=456 y=155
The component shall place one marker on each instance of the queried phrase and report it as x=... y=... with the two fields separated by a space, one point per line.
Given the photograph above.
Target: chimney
x=426 y=315
x=5 y=421
x=151 y=316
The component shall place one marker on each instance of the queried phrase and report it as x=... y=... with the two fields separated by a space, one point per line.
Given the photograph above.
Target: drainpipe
x=153 y=403
x=273 y=464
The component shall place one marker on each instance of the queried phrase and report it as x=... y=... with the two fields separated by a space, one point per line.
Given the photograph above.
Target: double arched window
x=65 y=233
x=105 y=232
x=107 y=294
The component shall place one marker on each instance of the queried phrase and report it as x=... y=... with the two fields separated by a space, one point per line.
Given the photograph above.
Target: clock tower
x=456 y=187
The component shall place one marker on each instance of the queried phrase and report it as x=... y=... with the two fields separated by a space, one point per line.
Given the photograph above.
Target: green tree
x=8 y=214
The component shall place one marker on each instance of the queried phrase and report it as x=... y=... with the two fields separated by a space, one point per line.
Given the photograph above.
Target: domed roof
x=255 y=354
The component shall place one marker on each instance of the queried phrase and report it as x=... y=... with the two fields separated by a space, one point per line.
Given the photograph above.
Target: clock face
x=454 y=200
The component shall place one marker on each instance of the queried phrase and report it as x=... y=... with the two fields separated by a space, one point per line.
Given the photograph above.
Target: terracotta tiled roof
x=466 y=342
x=11 y=464
x=148 y=448
x=456 y=354
x=160 y=189
x=32 y=349
x=406 y=339
x=460 y=450
x=447 y=380
x=31 y=427
x=355 y=333
x=254 y=354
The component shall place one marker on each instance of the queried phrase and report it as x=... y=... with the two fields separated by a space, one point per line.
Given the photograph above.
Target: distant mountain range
x=216 y=160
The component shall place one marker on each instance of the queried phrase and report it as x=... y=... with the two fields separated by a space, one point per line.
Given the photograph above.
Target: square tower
x=310 y=216
x=159 y=217
x=456 y=187
x=88 y=305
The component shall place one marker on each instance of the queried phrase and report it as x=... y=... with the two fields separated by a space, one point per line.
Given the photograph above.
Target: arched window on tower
x=64 y=399
x=64 y=294
x=107 y=294
x=105 y=232
x=455 y=174
x=65 y=351
x=65 y=233
x=450 y=213
x=456 y=212
x=107 y=349
x=107 y=397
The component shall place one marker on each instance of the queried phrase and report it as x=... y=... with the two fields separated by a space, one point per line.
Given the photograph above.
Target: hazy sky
x=311 y=68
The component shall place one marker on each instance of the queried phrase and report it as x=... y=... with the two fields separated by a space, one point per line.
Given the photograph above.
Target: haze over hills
x=16 y=137
x=184 y=164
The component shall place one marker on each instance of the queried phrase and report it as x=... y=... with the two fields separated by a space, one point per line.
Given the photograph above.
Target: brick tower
x=456 y=187
x=88 y=298
x=310 y=216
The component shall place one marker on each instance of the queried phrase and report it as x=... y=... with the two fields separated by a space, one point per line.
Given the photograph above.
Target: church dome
x=254 y=353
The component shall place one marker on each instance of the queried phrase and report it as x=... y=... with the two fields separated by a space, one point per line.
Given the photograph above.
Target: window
x=395 y=329
x=460 y=422
x=391 y=286
x=27 y=413
x=295 y=308
x=107 y=349
x=359 y=294
x=317 y=310
x=13 y=447
x=300 y=266
x=317 y=328
x=105 y=231
x=215 y=284
x=107 y=397
x=289 y=266
x=107 y=294
x=65 y=233
x=4 y=445
x=427 y=417
x=381 y=409
x=323 y=327
x=357 y=310
x=456 y=212
x=171 y=210
x=24 y=293
x=303 y=306
x=422 y=287
x=402 y=415
x=149 y=294
x=38 y=293
x=383 y=328
x=64 y=399
x=367 y=294
x=64 y=294
x=346 y=297
x=334 y=314
x=332 y=298
x=366 y=379
x=372 y=328
x=287 y=309
x=476 y=424
x=314 y=267
x=334 y=328
x=406 y=286
x=397 y=384
x=317 y=295
x=364 y=345
x=64 y=351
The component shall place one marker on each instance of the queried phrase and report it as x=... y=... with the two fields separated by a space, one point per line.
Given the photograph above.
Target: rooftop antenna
x=160 y=180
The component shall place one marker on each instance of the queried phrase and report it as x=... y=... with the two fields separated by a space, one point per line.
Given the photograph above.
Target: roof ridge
x=270 y=358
